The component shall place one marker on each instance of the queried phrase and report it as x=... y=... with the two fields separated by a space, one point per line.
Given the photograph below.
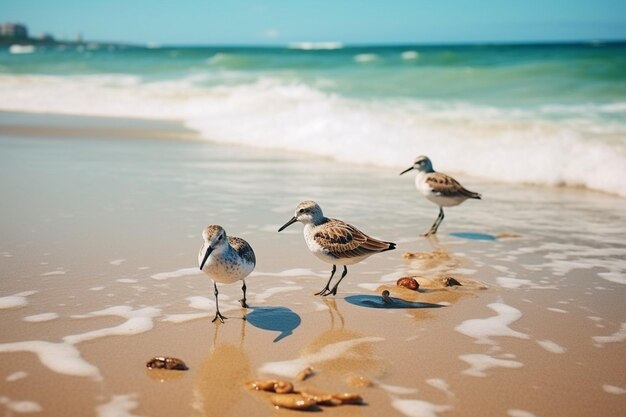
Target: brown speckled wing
x=243 y=249
x=447 y=186
x=346 y=241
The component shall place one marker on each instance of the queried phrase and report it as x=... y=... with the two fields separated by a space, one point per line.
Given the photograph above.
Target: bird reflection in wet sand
x=221 y=374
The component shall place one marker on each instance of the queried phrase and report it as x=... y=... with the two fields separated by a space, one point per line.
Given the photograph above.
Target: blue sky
x=228 y=22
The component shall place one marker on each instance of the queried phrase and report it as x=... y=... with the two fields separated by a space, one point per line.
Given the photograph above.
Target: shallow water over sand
x=100 y=238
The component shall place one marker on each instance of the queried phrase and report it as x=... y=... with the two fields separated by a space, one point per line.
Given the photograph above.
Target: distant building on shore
x=46 y=37
x=14 y=30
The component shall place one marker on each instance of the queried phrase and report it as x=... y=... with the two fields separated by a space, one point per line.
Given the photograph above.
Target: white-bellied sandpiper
x=225 y=259
x=439 y=188
x=334 y=241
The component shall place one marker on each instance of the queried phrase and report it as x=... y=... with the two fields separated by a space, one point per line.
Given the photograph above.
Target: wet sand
x=98 y=263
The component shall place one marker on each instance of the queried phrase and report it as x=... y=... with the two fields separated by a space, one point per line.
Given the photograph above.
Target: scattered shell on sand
x=272 y=385
x=359 y=381
x=348 y=398
x=408 y=282
x=164 y=362
x=451 y=282
x=293 y=401
x=332 y=399
x=304 y=374
x=306 y=399
x=320 y=398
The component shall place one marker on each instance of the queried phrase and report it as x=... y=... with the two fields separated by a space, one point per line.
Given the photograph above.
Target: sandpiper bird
x=334 y=241
x=439 y=188
x=225 y=259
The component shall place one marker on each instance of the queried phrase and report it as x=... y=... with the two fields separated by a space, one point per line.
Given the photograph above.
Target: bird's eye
x=301 y=210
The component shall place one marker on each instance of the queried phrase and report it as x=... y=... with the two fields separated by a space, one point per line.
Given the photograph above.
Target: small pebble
x=164 y=362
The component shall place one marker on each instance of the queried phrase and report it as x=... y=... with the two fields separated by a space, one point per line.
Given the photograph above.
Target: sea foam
x=550 y=145
x=483 y=329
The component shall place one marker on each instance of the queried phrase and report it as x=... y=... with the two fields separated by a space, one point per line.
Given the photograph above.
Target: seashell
x=320 y=398
x=304 y=374
x=348 y=398
x=359 y=381
x=262 y=385
x=272 y=385
x=283 y=387
x=408 y=282
x=293 y=402
x=164 y=362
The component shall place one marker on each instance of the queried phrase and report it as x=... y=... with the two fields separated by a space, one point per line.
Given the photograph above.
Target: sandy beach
x=101 y=222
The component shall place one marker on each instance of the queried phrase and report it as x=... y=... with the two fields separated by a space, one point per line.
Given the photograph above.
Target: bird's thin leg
x=435 y=226
x=218 y=315
x=243 y=300
x=334 y=290
x=325 y=290
x=439 y=219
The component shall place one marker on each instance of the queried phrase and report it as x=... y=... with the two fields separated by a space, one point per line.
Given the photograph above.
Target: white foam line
x=176 y=274
x=514 y=412
x=138 y=321
x=52 y=273
x=36 y=318
x=397 y=389
x=16 y=376
x=199 y=302
x=515 y=283
x=119 y=406
x=551 y=346
x=440 y=384
x=184 y=317
x=612 y=389
x=618 y=336
x=479 y=363
x=262 y=297
x=483 y=329
x=21 y=407
x=618 y=277
x=16 y=300
x=368 y=286
x=290 y=368
x=62 y=358
x=296 y=272
x=419 y=408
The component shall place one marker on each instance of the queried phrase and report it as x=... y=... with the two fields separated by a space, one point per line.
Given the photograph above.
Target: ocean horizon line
x=357 y=45
x=339 y=45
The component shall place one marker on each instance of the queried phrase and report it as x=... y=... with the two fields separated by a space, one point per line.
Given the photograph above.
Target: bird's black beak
x=406 y=170
x=206 y=256
x=290 y=222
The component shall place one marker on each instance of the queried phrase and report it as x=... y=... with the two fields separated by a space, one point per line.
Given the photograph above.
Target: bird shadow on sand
x=474 y=236
x=376 y=301
x=277 y=319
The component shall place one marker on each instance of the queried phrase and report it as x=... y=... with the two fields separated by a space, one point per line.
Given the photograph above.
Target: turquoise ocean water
x=540 y=114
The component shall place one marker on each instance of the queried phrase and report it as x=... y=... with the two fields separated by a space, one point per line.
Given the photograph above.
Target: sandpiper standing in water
x=334 y=241
x=225 y=259
x=439 y=188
